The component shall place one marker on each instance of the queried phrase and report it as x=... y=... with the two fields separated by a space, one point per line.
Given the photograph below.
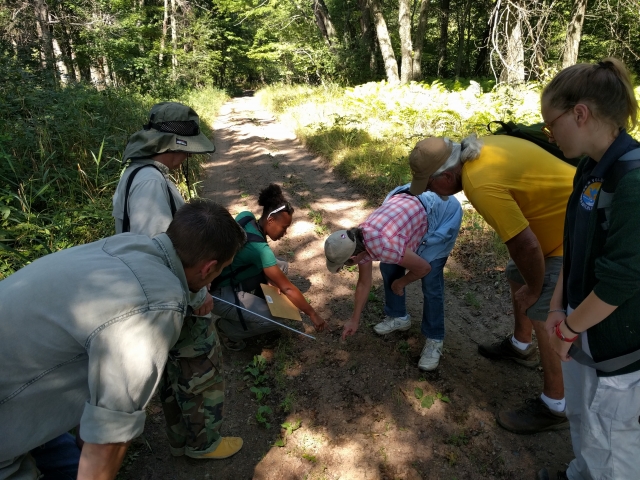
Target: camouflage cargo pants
x=192 y=388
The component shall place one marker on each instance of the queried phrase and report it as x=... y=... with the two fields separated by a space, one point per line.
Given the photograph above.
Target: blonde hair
x=606 y=86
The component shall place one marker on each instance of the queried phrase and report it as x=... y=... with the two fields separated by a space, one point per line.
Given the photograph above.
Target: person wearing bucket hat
x=383 y=235
x=145 y=202
x=522 y=192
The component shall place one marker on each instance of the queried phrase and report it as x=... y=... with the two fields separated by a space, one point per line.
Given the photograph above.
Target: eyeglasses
x=546 y=128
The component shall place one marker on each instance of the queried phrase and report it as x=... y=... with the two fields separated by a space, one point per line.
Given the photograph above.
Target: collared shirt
x=84 y=337
x=445 y=216
x=148 y=204
x=515 y=184
x=399 y=224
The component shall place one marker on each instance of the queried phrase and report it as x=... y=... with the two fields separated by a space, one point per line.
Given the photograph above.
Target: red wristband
x=561 y=336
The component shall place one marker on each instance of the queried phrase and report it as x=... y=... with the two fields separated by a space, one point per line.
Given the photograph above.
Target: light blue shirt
x=444 y=218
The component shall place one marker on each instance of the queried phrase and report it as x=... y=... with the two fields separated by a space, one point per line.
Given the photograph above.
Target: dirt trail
x=355 y=401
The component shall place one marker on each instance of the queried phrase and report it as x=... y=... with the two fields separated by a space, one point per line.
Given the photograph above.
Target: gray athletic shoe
x=430 y=356
x=391 y=324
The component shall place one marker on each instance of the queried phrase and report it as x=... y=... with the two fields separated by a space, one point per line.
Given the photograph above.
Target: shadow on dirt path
x=355 y=402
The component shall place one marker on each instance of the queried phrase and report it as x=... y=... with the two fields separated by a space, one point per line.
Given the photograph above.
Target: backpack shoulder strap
x=407 y=192
x=625 y=164
x=251 y=237
x=126 y=227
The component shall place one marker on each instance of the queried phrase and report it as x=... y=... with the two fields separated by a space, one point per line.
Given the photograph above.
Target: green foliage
x=60 y=151
x=262 y=416
x=368 y=131
x=427 y=401
x=291 y=427
x=255 y=371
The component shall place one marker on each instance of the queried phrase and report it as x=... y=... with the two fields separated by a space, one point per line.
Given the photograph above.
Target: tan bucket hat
x=172 y=127
x=425 y=159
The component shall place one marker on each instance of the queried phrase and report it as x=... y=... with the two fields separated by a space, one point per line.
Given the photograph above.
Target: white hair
x=468 y=149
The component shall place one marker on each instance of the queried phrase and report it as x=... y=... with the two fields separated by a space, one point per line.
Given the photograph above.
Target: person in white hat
x=521 y=191
x=412 y=237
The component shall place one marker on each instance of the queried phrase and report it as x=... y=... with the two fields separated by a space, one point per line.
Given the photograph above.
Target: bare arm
x=280 y=280
x=590 y=312
x=101 y=462
x=525 y=251
x=363 y=287
x=417 y=268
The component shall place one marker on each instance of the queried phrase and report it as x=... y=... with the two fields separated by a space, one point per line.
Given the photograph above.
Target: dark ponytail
x=271 y=198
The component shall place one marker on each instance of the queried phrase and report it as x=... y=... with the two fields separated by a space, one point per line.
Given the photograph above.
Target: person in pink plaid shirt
x=392 y=234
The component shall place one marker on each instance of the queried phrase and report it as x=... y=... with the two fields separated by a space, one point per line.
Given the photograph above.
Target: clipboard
x=279 y=305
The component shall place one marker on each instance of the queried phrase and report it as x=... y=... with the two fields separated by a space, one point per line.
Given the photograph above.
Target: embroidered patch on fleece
x=179 y=141
x=590 y=193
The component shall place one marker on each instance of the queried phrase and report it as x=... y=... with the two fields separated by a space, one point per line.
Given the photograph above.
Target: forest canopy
x=167 y=44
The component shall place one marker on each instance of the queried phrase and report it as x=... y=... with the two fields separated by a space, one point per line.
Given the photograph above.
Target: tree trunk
x=462 y=24
x=444 y=36
x=165 y=22
x=367 y=34
x=404 y=29
x=418 y=41
x=61 y=67
x=174 y=39
x=386 y=49
x=480 y=68
x=513 y=49
x=574 y=33
x=323 y=20
x=44 y=33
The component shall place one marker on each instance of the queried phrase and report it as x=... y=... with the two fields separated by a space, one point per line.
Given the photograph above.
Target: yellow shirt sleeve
x=500 y=210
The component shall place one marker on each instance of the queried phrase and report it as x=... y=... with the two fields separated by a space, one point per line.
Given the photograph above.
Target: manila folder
x=279 y=305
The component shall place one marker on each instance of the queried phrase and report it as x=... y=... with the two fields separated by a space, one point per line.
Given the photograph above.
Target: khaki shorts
x=552 y=266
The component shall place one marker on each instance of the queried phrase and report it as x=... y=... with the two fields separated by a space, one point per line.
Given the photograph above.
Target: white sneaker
x=430 y=356
x=391 y=324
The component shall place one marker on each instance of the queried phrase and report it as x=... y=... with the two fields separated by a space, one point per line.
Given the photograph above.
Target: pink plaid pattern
x=398 y=224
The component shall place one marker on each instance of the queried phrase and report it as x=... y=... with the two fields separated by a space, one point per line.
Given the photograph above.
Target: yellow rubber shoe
x=228 y=446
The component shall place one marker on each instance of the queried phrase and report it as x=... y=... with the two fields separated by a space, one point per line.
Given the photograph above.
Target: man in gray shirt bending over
x=90 y=349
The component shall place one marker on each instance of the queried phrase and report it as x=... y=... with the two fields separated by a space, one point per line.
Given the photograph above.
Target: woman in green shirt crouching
x=255 y=263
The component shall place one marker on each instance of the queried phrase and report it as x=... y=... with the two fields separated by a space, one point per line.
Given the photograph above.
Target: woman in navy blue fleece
x=587 y=109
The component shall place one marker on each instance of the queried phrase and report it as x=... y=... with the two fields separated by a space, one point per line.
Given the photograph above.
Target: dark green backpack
x=532 y=133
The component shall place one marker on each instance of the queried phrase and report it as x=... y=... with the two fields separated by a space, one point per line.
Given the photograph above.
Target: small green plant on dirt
x=261 y=393
x=472 y=300
x=311 y=458
x=459 y=440
x=427 y=401
x=261 y=416
x=403 y=347
x=316 y=218
x=291 y=427
x=255 y=371
x=275 y=165
x=287 y=404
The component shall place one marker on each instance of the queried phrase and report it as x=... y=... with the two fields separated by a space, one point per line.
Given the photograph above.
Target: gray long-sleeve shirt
x=84 y=336
x=149 y=206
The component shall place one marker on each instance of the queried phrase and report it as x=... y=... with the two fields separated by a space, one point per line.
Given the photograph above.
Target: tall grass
x=366 y=132
x=60 y=151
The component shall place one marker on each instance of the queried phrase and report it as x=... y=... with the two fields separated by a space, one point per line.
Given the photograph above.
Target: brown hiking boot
x=533 y=417
x=504 y=350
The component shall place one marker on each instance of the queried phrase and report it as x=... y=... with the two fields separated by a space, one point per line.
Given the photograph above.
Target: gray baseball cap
x=338 y=248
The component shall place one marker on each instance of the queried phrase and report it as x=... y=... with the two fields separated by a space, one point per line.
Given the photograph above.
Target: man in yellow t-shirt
x=521 y=191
